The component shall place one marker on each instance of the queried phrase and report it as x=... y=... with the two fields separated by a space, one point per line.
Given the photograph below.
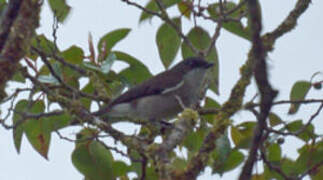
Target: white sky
x=296 y=57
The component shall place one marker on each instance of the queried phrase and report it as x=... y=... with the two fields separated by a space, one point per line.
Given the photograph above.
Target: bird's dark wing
x=153 y=86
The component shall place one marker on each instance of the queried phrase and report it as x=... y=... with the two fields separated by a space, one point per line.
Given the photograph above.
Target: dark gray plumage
x=157 y=98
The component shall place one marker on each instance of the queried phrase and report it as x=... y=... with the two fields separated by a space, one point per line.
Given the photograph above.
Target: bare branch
x=288 y=24
x=181 y=128
x=17 y=28
x=267 y=94
x=8 y=19
x=214 y=38
x=204 y=111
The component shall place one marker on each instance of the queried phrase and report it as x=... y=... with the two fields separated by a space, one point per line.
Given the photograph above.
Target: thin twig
x=65 y=85
x=273 y=167
x=242 y=3
x=61 y=60
x=164 y=16
x=305 y=101
x=301 y=130
x=288 y=24
x=54 y=33
x=214 y=38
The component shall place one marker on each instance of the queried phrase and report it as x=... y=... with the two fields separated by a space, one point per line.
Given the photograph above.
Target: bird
x=163 y=96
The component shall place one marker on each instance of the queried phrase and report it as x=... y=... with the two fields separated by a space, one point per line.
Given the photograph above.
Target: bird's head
x=194 y=63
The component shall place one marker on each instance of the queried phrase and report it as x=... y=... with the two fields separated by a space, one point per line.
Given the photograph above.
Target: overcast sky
x=296 y=57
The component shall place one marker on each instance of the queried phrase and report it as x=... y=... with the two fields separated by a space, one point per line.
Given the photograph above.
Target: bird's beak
x=209 y=65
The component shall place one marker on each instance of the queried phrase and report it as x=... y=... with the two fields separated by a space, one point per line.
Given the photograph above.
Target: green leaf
x=179 y=164
x=185 y=8
x=298 y=125
x=223 y=147
x=236 y=135
x=274 y=152
x=242 y=134
x=235 y=158
x=151 y=173
x=310 y=156
x=111 y=85
x=193 y=141
x=18 y=131
x=168 y=42
x=50 y=79
x=37 y=130
x=18 y=77
x=286 y=165
x=298 y=92
x=258 y=177
x=274 y=120
x=42 y=43
x=135 y=166
x=38 y=134
x=112 y=38
x=226 y=162
x=136 y=73
x=73 y=55
x=60 y=9
x=93 y=160
x=58 y=121
x=120 y=168
x=234 y=27
x=152 y=6
x=69 y=76
x=210 y=103
x=3 y=5
x=202 y=40
x=87 y=89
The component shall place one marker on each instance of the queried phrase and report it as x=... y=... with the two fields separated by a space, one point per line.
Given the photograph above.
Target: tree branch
x=287 y=25
x=266 y=92
x=18 y=24
x=180 y=130
x=8 y=19
x=229 y=108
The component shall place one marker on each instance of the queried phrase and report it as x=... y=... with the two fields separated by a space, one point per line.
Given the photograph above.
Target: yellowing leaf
x=185 y=8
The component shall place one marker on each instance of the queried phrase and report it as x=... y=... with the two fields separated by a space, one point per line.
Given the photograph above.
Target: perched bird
x=162 y=96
